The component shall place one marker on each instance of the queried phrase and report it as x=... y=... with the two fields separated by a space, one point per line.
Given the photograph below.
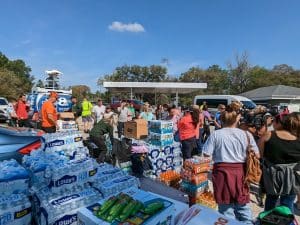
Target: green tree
x=239 y=74
x=80 y=91
x=8 y=83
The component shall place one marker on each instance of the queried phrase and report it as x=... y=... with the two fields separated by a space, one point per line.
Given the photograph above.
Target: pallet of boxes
x=195 y=181
x=66 y=122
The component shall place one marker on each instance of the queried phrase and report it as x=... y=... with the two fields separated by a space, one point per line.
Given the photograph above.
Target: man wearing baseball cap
x=49 y=114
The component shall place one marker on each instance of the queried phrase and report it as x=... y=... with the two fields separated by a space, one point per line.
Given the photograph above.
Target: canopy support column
x=131 y=97
x=176 y=98
x=155 y=96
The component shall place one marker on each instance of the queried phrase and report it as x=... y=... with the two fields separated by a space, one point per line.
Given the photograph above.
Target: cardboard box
x=86 y=216
x=201 y=215
x=66 y=116
x=136 y=129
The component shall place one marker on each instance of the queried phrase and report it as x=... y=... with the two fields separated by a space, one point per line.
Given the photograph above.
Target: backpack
x=253 y=168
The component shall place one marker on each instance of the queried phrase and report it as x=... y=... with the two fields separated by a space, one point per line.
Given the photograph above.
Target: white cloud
x=129 y=27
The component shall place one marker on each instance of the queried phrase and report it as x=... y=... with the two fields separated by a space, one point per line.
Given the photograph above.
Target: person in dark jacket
x=281 y=152
x=97 y=135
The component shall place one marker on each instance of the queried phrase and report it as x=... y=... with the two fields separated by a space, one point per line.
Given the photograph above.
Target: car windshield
x=249 y=104
x=3 y=102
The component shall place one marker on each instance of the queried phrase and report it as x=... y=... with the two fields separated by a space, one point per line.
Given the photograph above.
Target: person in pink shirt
x=22 y=112
x=188 y=128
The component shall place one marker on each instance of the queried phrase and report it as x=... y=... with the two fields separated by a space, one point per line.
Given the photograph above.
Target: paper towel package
x=87 y=217
x=201 y=215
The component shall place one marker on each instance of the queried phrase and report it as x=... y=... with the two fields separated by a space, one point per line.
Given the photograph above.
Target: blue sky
x=86 y=39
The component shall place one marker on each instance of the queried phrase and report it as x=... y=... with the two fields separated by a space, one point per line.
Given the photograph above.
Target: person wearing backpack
x=228 y=147
x=86 y=114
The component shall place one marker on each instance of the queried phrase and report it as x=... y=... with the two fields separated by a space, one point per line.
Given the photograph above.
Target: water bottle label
x=65 y=180
x=67 y=220
x=64 y=199
x=55 y=143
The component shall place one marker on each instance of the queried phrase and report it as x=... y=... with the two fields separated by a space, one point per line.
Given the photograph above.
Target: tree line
x=238 y=77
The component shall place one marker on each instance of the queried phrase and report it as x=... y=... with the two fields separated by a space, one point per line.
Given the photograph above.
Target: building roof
x=152 y=87
x=273 y=92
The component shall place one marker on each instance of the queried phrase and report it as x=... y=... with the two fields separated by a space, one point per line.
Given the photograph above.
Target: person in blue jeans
x=281 y=153
x=228 y=149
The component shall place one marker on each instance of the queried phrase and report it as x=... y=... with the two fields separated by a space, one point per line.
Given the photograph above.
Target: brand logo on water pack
x=92 y=172
x=22 y=213
x=55 y=143
x=77 y=139
x=67 y=220
x=65 y=180
x=65 y=199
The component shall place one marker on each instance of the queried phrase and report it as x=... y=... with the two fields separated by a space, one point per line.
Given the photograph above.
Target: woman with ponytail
x=228 y=148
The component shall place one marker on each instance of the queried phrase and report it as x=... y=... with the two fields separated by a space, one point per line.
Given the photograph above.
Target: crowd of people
x=275 y=139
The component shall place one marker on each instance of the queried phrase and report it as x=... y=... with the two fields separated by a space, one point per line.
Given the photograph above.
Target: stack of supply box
x=59 y=177
x=60 y=186
x=15 y=207
x=195 y=177
x=163 y=151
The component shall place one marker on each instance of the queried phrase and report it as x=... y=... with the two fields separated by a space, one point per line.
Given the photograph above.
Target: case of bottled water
x=15 y=209
x=108 y=174
x=59 y=141
x=36 y=164
x=116 y=185
x=161 y=140
x=161 y=126
x=14 y=178
x=60 y=207
x=70 y=174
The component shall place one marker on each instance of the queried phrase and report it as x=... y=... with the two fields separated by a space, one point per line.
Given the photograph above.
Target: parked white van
x=213 y=101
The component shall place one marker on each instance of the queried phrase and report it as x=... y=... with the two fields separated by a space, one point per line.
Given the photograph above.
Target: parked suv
x=3 y=109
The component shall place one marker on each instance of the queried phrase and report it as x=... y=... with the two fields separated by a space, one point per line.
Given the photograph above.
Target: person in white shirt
x=124 y=116
x=98 y=111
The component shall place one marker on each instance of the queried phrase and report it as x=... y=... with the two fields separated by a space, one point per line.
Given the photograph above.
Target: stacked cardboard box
x=195 y=177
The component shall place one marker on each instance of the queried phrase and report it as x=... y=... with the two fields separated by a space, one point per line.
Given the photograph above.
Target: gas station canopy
x=153 y=87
